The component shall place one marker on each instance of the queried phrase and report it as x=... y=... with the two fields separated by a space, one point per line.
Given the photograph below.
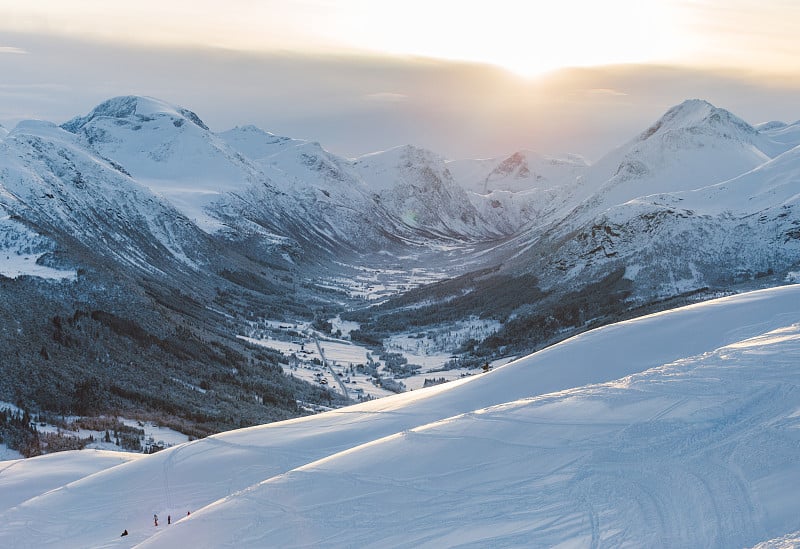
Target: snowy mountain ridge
x=693 y=145
x=690 y=151
x=203 y=174
x=293 y=194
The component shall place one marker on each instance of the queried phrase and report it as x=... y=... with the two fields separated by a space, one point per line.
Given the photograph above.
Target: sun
x=526 y=37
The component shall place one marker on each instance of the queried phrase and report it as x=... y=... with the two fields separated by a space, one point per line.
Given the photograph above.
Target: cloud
x=386 y=97
x=12 y=49
x=356 y=105
x=601 y=92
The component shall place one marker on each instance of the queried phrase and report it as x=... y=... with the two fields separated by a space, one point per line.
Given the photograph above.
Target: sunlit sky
x=394 y=44
x=526 y=36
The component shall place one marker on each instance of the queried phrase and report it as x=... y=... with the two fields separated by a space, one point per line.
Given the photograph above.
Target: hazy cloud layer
x=354 y=105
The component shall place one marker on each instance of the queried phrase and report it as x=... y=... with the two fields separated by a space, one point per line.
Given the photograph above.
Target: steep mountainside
x=113 y=293
x=49 y=180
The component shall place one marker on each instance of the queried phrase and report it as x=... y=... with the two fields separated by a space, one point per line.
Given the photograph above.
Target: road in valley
x=328 y=366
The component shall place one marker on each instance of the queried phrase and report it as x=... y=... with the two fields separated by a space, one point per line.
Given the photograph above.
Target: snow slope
x=681 y=241
x=23 y=479
x=700 y=452
x=21 y=248
x=781 y=132
x=772 y=186
x=676 y=429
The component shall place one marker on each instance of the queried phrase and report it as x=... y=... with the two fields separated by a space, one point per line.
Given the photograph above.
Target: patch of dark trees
x=90 y=348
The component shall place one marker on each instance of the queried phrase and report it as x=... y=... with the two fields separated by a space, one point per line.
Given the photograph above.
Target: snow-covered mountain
x=281 y=198
x=693 y=145
x=56 y=187
x=520 y=189
x=522 y=171
x=675 y=429
x=247 y=183
x=699 y=199
x=285 y=197
x=418 y=187
x=168 y=149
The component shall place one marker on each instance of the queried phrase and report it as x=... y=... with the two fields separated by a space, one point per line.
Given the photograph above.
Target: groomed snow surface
x=680 y=429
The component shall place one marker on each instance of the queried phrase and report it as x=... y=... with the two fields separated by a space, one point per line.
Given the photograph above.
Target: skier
x=124 y=533
x=155 y=520
x=169 y=519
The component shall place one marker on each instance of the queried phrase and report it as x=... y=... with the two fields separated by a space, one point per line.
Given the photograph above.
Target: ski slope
x=21 y=479
x=675 y=429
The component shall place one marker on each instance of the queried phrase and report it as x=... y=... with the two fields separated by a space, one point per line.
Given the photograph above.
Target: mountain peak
x=401 y=155
x=140 y=108
x=699 y=116
x=515 y=166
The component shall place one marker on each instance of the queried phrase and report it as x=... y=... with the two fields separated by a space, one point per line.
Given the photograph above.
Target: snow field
x=676 y=429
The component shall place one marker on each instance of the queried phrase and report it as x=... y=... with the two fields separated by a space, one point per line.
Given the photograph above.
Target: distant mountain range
x=136 y=235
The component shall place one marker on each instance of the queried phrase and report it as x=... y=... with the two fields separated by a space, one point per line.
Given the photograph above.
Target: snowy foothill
x=675 y=429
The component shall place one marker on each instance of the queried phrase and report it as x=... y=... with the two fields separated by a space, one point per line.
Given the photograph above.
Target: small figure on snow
x=124 y=533
x=155 y=520
x=169 y=519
